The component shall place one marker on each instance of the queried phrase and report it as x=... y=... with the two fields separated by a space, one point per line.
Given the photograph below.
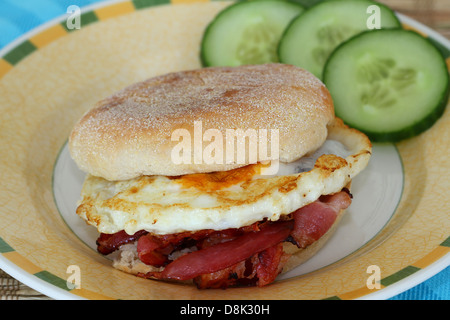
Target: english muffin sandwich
x=174 y=198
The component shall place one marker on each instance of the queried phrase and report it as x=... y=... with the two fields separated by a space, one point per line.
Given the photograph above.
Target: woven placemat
x=12 y=289
x=433 y=13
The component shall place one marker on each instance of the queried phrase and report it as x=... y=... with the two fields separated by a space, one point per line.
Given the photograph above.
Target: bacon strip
x=108 y=243
x=270 y=263
x=155 y=249
x=315 y=219
x=239 y=274
x=260 y=269
x=149 y=250
x=226 y=254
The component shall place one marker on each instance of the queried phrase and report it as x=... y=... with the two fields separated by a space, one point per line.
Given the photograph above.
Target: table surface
x=18 y=17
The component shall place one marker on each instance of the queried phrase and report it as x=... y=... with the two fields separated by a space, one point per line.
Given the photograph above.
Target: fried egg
x=227 y=199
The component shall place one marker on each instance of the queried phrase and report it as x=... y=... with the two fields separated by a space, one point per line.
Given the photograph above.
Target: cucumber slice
x=247 y=33
x=390 y=84
x=311 y=37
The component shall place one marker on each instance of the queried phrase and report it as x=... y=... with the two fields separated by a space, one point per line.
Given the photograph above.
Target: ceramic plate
x=397 y=225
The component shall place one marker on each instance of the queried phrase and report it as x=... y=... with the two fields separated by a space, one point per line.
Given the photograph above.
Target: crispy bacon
x=315 y=219
x=108 y=243
x=155 y=249
x=240 y=274
x=270 y=263
x=151 y=250
x=226 y=254
x=260 y=269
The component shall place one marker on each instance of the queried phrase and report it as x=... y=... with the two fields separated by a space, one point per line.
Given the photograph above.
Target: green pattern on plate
x=85 y=19
x=139 y=4
x=51 y=278
x=19 y=52
x=4 y=247
x=399 y=275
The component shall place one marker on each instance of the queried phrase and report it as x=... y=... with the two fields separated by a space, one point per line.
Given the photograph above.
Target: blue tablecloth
x=19 y=16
